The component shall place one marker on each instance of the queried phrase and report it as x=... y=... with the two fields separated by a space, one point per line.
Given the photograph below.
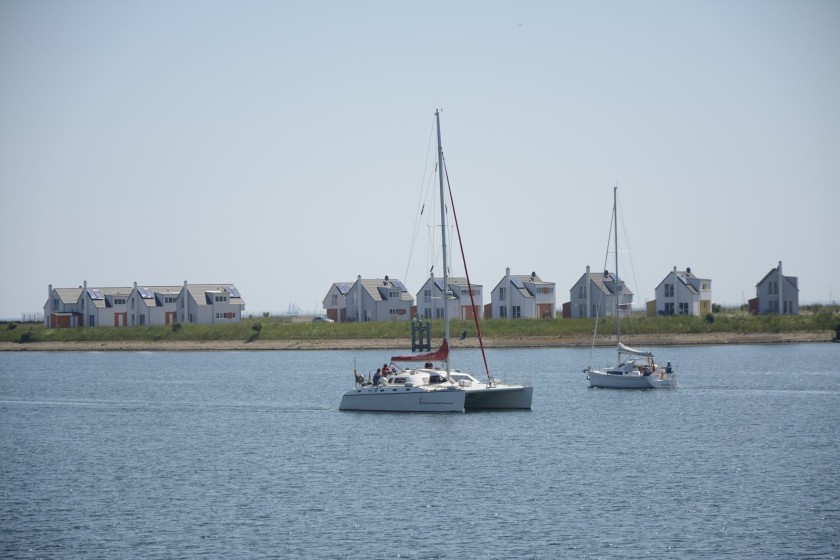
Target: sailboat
x=636 y=369
x=436 y=387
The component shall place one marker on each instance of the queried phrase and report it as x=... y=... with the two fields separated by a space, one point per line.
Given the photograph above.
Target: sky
x=283 y=146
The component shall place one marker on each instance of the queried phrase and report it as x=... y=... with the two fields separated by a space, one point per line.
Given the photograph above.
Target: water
x=245 y=455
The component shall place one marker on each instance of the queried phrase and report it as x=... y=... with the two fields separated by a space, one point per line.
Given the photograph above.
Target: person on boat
x=668 y=368
x=385 y=370
x=377 y=377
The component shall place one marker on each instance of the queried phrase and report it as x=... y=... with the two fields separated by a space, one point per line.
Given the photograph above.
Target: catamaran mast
x=619 y=288
x=443 y=238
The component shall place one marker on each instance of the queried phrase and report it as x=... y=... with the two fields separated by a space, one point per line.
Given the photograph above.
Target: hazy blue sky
x=281 y=145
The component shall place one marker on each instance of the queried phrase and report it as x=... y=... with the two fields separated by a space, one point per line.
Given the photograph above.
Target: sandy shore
x=404 y=344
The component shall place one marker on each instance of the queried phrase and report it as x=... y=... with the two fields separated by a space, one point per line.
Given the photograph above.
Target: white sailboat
x=636 y=369
x=436 y=388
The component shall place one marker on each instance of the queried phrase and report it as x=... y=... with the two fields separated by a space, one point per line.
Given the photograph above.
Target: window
x=773 y=288
x=669 y=291
x=788 y=307
x=427 y=295
x=684 y=308
x=669 y=308
x=582 y=310
x=502 y=311
x=439 y=313
x=90 y=321
x=427 y=313
x=393 y=294
x=142 y=319
x=582 y=291
x=516 y=312
x=502 y=294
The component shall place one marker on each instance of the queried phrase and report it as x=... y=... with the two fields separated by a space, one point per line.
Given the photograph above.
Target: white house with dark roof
x=776 y=294
x=153 y=305
x=208 y=304
x=599 y=294
x=683 y=293
x=431 y=297
x=525 y=296
x=379 y=299
x=103 y=306
x=335 y=302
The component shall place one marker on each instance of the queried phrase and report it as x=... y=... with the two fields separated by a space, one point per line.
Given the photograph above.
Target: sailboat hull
x=517 y=397
x=402 y=399
x=604 y=380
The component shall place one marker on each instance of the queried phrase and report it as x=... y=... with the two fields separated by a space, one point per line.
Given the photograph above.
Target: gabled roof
x=377 y=288
x=523 y=282
x=604 y=283
x=684 y=276
x=100 y=296
x=792 y=280
x=68 y=295
x=202 y=293
x=152 y=296
x=343 y=287
x=454 y=282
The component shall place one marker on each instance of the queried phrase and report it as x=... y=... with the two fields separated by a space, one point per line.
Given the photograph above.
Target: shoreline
x=404 y=344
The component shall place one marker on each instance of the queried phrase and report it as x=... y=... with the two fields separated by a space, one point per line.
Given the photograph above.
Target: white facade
x=523 y=296
x=683 y=293
x=596 y=295
x=430 y=299
x=777 y=293
x=378 y=300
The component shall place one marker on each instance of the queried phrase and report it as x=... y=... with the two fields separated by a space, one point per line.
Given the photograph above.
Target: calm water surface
x=245 y=455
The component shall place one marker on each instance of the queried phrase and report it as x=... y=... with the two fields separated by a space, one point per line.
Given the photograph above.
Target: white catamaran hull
x=403 y=399
x=606 y=380
x=498 y=398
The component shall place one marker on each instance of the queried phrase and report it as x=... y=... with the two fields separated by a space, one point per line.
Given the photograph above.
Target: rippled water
x=245 y=455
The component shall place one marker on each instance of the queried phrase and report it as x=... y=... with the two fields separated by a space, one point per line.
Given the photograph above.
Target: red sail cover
x=438 y=355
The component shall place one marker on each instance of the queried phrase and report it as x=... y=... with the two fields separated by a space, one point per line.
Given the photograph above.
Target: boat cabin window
x=436 y=378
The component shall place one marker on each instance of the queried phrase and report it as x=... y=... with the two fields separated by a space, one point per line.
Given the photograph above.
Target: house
x=776 y=294
x=430 y=299
x=208 y=304
x=63 y=308
x=335 y=302
x=379 y=299
x=525 y=296
x=599 y=294
x=683 y=293
x=153 y=305
x=138 y=305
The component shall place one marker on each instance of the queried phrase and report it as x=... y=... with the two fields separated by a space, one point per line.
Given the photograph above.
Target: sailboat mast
x=619 y=288
x=443 y=236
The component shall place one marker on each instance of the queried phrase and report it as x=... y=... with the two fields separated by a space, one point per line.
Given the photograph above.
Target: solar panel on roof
x=343 y=288
x=516 y=282
x=232 y=291
x=439 y=284
x=145 y=293
x=398 y=284
x=95 y=294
